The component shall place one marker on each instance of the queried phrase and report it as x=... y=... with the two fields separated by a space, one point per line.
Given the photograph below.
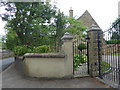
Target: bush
x=82 y=46
x=113 y=41
x=20 y=50
x=78 y=60
x=41 y=49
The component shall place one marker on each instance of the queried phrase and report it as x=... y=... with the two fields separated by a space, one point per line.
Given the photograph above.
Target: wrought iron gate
x=109 y=66
x=80 y=57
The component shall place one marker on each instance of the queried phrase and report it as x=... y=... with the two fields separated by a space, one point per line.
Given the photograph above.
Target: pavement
x=11 y=78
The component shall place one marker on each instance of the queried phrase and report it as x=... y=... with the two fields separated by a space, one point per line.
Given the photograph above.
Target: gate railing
x=109 y=65
x=80 y=60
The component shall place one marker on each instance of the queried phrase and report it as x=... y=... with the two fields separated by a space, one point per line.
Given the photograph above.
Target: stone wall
x=49 y=65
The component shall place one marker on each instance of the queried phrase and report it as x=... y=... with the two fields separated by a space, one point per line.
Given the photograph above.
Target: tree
x=30 y=22
x=12 y=40
x=116 y=27
x=115 y=33
x=75 y=27
x=0 y=41
x=35 y=24
x=60 y=24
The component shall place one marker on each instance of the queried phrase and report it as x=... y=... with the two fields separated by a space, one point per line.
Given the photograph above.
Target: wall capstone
x=67 y=36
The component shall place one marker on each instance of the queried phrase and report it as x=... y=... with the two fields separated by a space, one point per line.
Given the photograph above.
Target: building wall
x=87 y=19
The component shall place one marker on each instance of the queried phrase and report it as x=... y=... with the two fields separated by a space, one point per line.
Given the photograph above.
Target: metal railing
x=80 y=59
x=109 y=67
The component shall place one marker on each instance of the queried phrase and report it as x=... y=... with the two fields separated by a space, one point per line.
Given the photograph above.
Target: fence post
x=67 y=49
x=95 y=47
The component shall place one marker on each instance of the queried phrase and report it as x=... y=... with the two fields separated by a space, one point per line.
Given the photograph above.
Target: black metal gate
x=109 y=66
x=80 y=57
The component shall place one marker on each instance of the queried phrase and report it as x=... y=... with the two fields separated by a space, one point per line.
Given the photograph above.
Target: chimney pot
x=70 y=12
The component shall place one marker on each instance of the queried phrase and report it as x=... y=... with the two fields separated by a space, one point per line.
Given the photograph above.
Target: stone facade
x=87 y=19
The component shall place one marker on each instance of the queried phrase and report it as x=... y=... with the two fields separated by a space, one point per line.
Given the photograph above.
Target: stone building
x=85 y=18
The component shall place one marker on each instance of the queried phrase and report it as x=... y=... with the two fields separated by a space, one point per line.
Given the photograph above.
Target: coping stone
x=44 y=55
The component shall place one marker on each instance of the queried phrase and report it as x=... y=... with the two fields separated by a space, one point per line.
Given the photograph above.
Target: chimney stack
x=119 y=9
x=71 y=12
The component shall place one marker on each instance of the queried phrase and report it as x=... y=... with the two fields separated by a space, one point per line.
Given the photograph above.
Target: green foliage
x=32 y=23
x=105 y=66
x=76 y=28
x=116 y=26
x=0 y=41
x=113 y=41
x=0 y=44
x=41 y=49
x=20 y=50
x=60 y=24
x=118 y=19
x=115 y=34
x=12 y=40
x=82 y=46
x=35 y=24
x=78 y=60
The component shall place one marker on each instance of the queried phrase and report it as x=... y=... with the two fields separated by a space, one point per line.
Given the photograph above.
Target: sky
x=103 y=11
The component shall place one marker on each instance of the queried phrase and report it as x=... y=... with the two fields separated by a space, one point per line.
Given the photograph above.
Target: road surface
x=4 y=63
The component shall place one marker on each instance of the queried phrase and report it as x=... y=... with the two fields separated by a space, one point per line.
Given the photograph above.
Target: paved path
x=12 y=79
x=82 y=71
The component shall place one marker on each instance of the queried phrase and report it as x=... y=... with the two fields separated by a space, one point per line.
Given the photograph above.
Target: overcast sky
x=103 y=11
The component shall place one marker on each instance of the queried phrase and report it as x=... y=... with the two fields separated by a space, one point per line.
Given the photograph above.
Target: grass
x=105 y=66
